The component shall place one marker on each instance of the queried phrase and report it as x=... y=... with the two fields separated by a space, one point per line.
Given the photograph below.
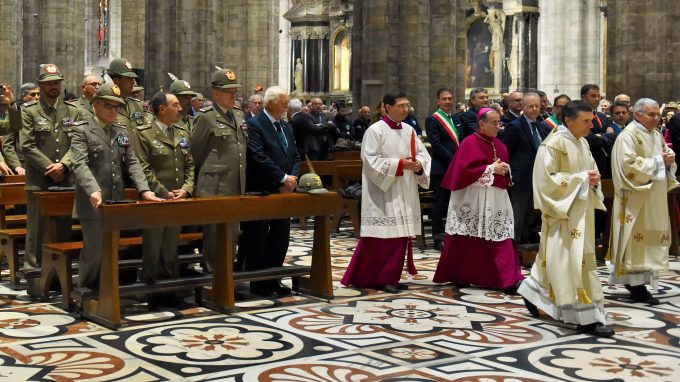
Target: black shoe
x=597 y=329
x=172 y=301
x=282 y=290
x=264 y=292
x=390 y=289
x=533 y=309
x=438 y=245
x=639 y=293
x=402 y=286
x=510 y=290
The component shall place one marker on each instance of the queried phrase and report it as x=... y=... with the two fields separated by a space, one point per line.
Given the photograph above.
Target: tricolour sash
x=445 y=120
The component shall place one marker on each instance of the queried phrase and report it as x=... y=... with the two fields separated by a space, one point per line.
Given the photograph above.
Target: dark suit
x=443 y=149
x=507 y=118
x=601 y=144
x=522 y=150
x=264 y=243
x=469 y=119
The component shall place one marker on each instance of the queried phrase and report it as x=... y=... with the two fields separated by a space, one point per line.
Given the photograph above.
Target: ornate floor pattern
x=429 y=333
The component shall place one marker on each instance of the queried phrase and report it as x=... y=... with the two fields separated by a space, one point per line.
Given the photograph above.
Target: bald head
x=622 y=98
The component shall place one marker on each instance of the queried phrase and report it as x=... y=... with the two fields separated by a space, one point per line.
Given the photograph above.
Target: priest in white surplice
x=643 y=169
x=395 y=162
x=566 y=185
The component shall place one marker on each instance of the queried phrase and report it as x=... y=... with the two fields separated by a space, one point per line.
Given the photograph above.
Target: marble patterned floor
x=429 y=333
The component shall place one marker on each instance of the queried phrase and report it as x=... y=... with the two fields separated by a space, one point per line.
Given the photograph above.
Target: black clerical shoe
x=597 y=329
x=402 y=286
x=533 y=309
x=639 y=293
x=438 y=245
x=282 y=290
x=264 y=292
x=390 y=289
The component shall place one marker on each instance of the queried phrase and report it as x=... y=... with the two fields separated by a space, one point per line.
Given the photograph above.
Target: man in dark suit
x=600 y=141
x=479 y=98
x=445 y=132
x=522 y=137
x=514 y=108
x=272 y=166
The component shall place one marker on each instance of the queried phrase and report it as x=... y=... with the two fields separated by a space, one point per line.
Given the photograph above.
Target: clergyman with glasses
x=395 y=163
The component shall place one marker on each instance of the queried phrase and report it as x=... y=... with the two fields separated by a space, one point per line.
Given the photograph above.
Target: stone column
x=11 y=44
x=570 y=46
x=643 y=53
x=526 y=24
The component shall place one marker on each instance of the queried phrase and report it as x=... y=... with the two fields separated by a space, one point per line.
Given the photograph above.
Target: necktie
x=168 y=132
x=282 y=136
x=535 y=134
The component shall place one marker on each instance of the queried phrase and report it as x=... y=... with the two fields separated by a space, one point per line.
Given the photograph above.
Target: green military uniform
x=183 y=88
x=11 y=148
x=85 y=107
x=167 y=164
x=45 y=139
x=218 y=147
x=102 y=156
x=132 y=113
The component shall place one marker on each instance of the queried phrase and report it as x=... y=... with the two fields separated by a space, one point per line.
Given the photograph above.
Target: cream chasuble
x=640 y=236
x=390 y=205
x=564 y=280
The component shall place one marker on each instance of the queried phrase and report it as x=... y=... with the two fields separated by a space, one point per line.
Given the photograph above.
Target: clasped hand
x=500 y=167
x=411 y=164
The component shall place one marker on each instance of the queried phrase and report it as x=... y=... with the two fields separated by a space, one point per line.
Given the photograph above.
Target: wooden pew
x=12 y=179
x=104 y=307
x=10 y=238
x=11 y=194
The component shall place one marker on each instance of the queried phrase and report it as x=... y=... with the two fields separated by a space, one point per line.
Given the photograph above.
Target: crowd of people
x=503 y=174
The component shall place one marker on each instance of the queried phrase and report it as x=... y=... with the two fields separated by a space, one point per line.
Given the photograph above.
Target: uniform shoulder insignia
x=145 y=126
x=237 y=108
x=205 y=109
x=135 y=99
x=29 y=103
x=81 y=122
x=71 y=103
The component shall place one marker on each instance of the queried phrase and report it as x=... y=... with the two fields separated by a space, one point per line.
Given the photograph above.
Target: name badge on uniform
x=123 y=140
x=136 y=115
x=41 y=121
x=221 y=125
x=183 y=143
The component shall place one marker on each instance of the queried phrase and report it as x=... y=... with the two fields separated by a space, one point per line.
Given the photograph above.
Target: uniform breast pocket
x=96 y=151
x=225 y=134
x=42 y=133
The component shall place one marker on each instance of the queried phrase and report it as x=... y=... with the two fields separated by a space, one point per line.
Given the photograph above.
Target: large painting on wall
x=479 y=69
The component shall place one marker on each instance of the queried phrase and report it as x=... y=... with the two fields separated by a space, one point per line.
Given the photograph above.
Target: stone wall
x=643 y=49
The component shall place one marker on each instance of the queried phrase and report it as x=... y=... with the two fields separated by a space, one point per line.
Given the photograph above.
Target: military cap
x=310 y=183
x=672 y=105
x=121 y=67
x=224 y=79
x=181 y=87
x=109 y=92
x=49 y=72
x=137 y=88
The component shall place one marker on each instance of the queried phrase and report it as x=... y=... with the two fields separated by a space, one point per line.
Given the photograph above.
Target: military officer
x=218 y=147
x=163 y=151
x=102 y=155
x=182 y=89
x=45 y=139
x=90 y=84
x=131 y=114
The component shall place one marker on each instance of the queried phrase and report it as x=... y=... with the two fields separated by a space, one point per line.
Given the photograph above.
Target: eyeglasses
x=402 y=106
x=652 y=115
x=110 y=106
x=34 y=94
x=94 y=84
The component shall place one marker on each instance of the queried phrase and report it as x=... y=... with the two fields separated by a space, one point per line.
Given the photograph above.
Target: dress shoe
x=264 y=292
x=402 y=286
x=597 y=329
x=390 y=289
x=171 y=300
x=438 y=245
x=282 y=290
x=639 y=293
x=533 y=309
